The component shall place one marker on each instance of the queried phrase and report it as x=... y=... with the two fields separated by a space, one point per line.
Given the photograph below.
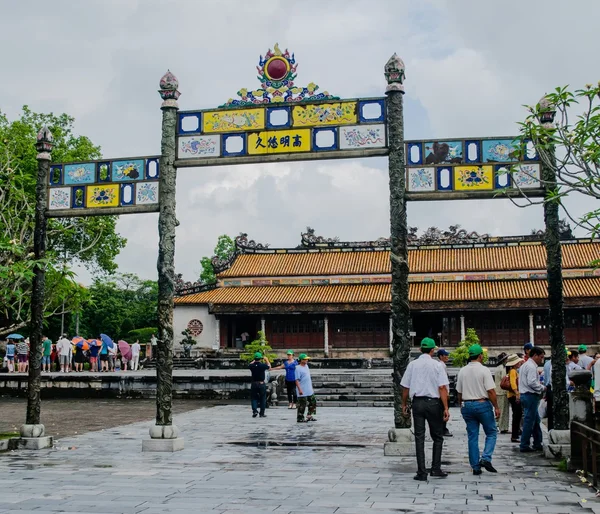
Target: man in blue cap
x=427 y=385
x=479 y=406
x=444 y=357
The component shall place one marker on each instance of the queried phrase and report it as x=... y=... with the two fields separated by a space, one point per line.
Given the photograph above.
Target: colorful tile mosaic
x=146 y=193
x=233 y=121
x=499 y=150
x=362 y=136
x=80 y=173
x=126 y=171
x=471 y=178
x=192 y=147
x=314 y=115
x=59 y=198
x=526 y=176
x=421 y=179
x=102 y=196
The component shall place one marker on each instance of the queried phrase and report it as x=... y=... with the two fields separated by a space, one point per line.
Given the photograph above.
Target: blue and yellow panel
x=102 y=195
x=279 y=141
x=226 y=120
x=316 y=115
x=473 y=178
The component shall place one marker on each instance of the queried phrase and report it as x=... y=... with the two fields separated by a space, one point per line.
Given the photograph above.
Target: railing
x=585 y=442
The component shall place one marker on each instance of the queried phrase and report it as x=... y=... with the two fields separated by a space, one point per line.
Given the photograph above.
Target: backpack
x=505 y=383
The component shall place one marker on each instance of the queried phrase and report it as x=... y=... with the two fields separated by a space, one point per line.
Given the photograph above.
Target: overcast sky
x=470 y=67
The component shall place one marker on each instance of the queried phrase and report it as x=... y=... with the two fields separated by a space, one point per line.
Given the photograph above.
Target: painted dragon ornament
x=394 y=74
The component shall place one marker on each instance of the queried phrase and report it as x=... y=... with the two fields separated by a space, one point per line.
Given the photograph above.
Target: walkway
x=233 y=463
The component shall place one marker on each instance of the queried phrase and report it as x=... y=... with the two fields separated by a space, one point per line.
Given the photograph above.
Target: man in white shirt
x=427 y=385
x=584 y=359
x=135 y=355
x=477 y=395
x=63 y=348
x=531 y=390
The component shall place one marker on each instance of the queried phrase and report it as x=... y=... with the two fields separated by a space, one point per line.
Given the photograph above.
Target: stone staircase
x=360 y=389
x=178 y=363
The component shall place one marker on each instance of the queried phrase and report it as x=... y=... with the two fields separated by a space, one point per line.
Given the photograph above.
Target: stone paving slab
x=233 y=463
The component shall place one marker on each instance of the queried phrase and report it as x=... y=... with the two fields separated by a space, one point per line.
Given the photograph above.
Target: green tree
x=90 y=241
x=260 y=344
x=460 y=356
x=224 y=250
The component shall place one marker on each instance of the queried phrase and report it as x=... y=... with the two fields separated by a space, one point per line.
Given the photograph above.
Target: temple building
x=333 y=298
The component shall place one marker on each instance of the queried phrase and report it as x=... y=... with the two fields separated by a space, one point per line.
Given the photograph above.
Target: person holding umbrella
x=81 y=345
x=94 y=351
x=125 y=350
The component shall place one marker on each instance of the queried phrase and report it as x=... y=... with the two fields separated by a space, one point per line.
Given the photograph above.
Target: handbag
x=505 y=383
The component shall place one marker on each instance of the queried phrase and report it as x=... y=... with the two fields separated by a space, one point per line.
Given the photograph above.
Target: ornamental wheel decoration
x=195 y=327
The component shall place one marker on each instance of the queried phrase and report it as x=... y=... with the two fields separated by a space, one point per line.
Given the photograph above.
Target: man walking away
x=499 y=374
x=306 y=394
x=258 y=389
x=479 y=406
x=584 y=359
x=63 y=347
x=427 y=385
x=135 y=355
x=444 y=357
x=46 y=351
x=531 y=391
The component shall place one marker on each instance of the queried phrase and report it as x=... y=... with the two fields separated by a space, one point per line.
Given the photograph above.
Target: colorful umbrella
x=125 y=350
x=77 y=339
x=107 y=340
x=94 y=342
x=83 y=345
x=15 y=336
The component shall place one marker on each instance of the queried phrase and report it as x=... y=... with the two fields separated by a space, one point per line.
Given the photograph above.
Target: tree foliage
x=260 y=344
x=90 y=241
x=224 y=250
x=120 y=305
x=460 y=356
x=574 y=139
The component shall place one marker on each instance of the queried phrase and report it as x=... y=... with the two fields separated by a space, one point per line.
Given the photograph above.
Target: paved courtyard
x=233 y=463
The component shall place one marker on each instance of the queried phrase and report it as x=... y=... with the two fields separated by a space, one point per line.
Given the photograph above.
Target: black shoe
x=448 y=434
x=527 y=449
x=439 y=473
x=263 y=415
x=421 y=478
x=477 y=472
x=504 y=431
x=254 y=414
x=487 y=465
x=538 y=448
x=513 y=440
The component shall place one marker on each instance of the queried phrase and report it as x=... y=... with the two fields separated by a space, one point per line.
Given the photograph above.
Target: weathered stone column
x=531 y=329
x=217 y=333
x=326 y=336
x=33 y=432
x=463 y=332
x=394 y=74
x=263 y=326
x=164 y=435
x=545 y=149
x=391 y=336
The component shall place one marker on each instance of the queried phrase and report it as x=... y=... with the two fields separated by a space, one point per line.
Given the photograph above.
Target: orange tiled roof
x=508 y=258
x=380 y=293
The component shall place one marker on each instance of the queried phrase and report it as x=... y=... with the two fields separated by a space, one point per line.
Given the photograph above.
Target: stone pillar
x=531 y=329
x=463 y=332
x=391 y=337
x=217 y=333
x=263 y=326
x=394 y=74
x=326 y=336
x=33 y=432
x=164 y=435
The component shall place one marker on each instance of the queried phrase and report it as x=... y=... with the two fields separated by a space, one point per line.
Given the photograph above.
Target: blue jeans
x=258 y=396
x=531 y=420
x=475 y=414
x=45 y=360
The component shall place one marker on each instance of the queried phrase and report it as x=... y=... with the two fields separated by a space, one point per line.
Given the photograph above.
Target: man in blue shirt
x=258 y=388
x=290 y=379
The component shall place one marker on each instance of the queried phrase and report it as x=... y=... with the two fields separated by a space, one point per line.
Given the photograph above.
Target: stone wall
x=183 y=314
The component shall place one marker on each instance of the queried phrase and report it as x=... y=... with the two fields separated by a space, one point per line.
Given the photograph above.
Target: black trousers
x=517 y=415
x=291 y=391
x=550 y=411
x=258 y=397
x=430 y=410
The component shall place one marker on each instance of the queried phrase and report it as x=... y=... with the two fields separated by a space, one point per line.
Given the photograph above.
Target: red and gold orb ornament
x=277 y=68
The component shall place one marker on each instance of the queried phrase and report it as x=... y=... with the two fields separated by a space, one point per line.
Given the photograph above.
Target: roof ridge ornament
x=276 y=73
x=395 y=74
x=242 y=243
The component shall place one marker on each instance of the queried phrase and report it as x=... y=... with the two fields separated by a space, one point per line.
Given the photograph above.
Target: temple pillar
x=326 y=336
x=463 y=332
x=531 y=329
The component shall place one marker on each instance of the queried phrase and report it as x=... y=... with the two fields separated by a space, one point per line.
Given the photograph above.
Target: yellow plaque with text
x=279 y=141
x=233 y=120
x=315 y=115
x=473 y=178
x=102 y=196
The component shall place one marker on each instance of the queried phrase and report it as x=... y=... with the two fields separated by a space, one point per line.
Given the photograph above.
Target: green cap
x=290 y=352
x=474 y=350
x=258 y=355
x=303 y=356
x=428 y=343
x=582 y=348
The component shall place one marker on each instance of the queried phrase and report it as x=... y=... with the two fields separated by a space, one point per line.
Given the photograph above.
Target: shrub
x=460 y=356
x=187 y=338
x=143 y=334
x=258 y=345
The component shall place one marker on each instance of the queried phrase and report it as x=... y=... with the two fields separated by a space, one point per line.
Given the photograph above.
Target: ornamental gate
x=278 y=121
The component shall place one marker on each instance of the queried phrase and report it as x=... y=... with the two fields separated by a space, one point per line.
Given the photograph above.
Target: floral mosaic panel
x=498 y=150
x=421 y=179
x=128 y=170
x=233 y=120
x=146 y=193
x=59 y=198
x=470 y=178
x=199 y=146
x=527 y=176
x=324 y=114
x=362 y=136
x=102 y=196
x=80 y=173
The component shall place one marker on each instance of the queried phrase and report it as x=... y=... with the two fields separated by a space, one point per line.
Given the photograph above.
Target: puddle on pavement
x=311 y=444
